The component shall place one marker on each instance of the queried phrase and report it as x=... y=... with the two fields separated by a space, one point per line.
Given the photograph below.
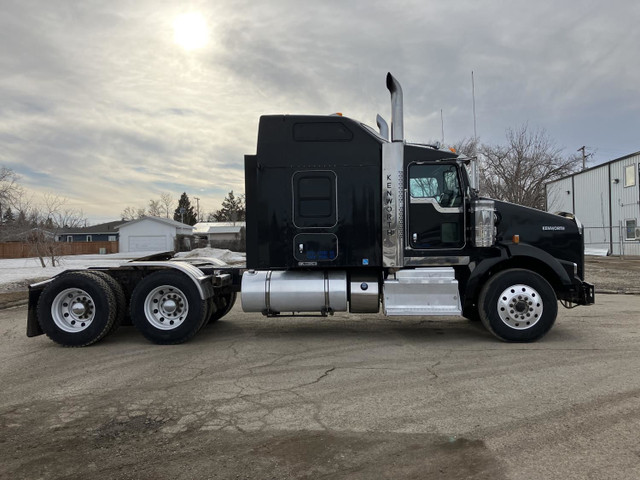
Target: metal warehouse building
x=606 y=199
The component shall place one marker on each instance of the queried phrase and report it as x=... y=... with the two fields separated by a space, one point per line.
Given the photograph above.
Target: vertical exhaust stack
x=397 y=127
x=383 y=127
x=393 y=184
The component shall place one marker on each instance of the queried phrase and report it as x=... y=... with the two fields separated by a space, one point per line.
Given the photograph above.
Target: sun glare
x=190 y=31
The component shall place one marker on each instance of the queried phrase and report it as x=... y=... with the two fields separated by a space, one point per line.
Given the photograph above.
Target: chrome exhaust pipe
x=397 y=128
x=383 y=127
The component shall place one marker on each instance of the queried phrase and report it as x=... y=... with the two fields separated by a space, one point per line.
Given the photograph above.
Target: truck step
x=422 y=291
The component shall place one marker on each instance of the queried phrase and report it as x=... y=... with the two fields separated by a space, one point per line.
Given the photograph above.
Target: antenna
x=474 y=164
x=442 y=124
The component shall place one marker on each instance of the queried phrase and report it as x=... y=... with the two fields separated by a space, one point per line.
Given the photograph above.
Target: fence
x=25 y=250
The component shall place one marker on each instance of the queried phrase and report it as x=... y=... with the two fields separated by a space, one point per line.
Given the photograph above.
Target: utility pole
x=584 y=156
x=197 y=208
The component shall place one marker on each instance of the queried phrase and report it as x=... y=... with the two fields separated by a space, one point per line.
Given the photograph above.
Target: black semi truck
x=342 y=218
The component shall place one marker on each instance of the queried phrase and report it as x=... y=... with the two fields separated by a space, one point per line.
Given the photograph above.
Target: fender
x=529 y=251
x=480 y=271
x=513 y=252
x=202 y=282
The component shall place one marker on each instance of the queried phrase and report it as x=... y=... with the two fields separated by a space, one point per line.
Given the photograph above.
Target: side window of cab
x=437 y=181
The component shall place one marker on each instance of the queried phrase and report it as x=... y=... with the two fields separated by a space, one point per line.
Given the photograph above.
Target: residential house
x=216 y=232
x=103 y=232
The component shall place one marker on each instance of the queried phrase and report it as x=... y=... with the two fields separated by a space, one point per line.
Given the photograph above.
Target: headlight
x=484 y=223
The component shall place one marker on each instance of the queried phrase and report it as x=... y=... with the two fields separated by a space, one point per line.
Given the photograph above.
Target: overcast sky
x=100 y=103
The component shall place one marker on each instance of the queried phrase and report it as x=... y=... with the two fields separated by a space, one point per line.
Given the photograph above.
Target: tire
x=77 y=309
x=518 y=306
x=223 y=305
x=166 y=308
x=471 y=314
x=118 y=292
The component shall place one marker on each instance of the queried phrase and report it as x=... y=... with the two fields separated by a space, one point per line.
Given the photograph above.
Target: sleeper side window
x=314 y=199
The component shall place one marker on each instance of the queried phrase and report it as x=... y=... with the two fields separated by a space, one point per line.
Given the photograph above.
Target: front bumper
x=580 y=293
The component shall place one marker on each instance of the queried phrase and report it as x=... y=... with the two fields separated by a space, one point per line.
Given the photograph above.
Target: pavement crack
x=317 y=380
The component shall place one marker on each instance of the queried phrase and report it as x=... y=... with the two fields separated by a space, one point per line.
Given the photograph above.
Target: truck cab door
x=435 y=207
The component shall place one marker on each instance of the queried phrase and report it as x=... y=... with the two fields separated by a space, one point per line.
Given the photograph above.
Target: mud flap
x=33 y=327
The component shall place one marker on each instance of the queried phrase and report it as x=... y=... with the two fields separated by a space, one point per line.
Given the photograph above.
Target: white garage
x=151 y=234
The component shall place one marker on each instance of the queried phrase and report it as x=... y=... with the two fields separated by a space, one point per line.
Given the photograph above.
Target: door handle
x=414 y=237
x=301 y=248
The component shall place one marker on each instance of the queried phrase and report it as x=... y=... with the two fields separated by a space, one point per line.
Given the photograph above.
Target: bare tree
x=517 y=171
x=128 y=214
x=55 y=212
x=155 y=208
x=10 y=190
x=36 y=223
x=166 y=200
x=161 y=207
x=52 y=216
x=467 y=147
x=22 y=203
x=133 y=213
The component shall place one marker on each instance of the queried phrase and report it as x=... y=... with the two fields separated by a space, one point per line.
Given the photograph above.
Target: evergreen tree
x=184 y=212
x=49 y=225
x=233 y=209
x=22 y=218
x=8 y=218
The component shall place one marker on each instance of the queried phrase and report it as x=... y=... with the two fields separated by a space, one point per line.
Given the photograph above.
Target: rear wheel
x=77 y=309
x=518 y=306
x=118 y=292
x=166 y=307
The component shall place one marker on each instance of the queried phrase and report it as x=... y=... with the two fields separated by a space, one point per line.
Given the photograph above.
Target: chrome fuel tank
x=272 y=292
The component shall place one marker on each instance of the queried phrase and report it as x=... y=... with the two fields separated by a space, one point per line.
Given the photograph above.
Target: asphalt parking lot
x=345 y=397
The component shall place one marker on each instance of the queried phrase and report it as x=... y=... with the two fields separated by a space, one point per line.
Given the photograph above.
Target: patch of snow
x=596 y=252
x=227 y=256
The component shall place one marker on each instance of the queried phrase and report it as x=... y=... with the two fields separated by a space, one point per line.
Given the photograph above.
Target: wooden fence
x=25 y=250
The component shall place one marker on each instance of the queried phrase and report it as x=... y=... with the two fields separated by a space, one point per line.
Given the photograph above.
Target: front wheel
x=166 y=308
x=518 y=306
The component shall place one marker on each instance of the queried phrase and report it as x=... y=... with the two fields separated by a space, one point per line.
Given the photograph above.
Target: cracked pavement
x=343 y=397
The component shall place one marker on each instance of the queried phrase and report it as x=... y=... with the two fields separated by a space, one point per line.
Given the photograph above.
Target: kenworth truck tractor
x=342 y=218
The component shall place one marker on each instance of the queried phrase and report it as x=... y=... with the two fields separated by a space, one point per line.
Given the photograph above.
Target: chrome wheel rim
x=520 y=307
x=166 y=307
x=73 y=310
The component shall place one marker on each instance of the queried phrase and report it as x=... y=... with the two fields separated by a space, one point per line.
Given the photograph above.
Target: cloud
x=99 y=104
